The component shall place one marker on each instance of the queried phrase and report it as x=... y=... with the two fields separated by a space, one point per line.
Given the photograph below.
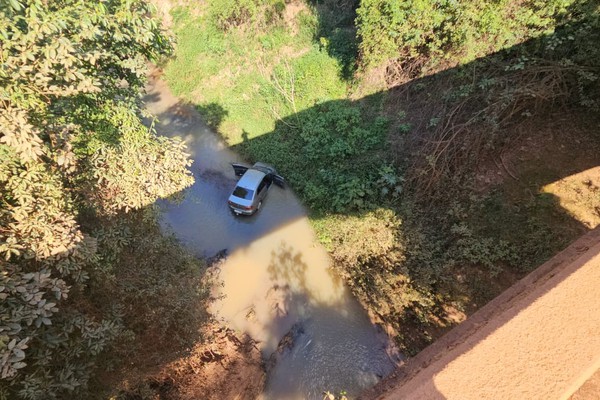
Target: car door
x=278 y=180
x=262 y=189
x=239 y=169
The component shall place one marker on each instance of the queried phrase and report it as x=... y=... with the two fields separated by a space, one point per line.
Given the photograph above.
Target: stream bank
x=276 y=276
x=228 y=365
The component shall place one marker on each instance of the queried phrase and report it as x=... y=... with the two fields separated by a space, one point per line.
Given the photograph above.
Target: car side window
x=262 y=185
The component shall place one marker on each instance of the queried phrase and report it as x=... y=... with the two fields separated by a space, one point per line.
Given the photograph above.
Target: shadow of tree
x=337 y=33
x=438 y=132
x=336 y=154
x=287 y=264
x=213 y=114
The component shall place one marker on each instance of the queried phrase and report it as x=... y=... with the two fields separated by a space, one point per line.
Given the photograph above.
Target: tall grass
x=257 y=73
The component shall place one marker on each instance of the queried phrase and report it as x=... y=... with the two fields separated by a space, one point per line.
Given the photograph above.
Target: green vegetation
x=253 y=72
x=389 y=179
x=421 y=34
x=84 y=285
x=318 y=151
x=395 y=181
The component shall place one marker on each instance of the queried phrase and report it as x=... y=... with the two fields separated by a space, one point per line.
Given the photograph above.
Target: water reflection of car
x=252 y=188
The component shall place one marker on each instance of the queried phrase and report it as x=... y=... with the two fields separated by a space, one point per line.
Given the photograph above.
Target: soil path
x=538 y=340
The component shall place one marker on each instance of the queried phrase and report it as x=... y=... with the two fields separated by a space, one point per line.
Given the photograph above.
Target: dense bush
x=152 y=283
x=71 y=141
x=477 y=105
x=330 y=156
x=426 y=32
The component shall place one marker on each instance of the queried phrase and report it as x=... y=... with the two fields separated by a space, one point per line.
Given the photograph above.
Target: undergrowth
x=156 y=291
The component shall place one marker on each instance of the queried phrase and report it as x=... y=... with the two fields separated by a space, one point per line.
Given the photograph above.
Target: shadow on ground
x=459 y=156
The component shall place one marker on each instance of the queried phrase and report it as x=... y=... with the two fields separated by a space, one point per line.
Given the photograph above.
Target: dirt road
x=538 y=340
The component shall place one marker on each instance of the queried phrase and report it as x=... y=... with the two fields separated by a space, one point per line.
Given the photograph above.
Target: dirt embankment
x=229 y=367
x=226 y=366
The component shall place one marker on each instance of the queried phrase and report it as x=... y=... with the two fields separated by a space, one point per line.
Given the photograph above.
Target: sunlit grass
x=256 y=78
x=579 y=195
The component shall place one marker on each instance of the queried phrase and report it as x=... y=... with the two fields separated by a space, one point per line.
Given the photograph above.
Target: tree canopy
x=71 y=144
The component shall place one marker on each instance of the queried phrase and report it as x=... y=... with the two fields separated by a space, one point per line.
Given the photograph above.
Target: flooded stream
x=276 y=277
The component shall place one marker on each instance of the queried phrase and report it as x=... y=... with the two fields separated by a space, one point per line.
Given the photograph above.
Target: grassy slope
x=241 y=79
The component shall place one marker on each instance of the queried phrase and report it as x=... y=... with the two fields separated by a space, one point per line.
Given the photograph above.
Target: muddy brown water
x=276 y=275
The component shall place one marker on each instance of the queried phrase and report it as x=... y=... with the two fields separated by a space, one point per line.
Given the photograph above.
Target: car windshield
x=243 y=193
x=262 y=168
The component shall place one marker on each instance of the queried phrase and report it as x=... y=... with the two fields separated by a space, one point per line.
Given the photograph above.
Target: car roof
x=251 y=179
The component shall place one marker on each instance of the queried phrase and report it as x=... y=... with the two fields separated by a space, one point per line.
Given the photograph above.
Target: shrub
x=425 y=32
x=330 y=155
x=229 y=14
